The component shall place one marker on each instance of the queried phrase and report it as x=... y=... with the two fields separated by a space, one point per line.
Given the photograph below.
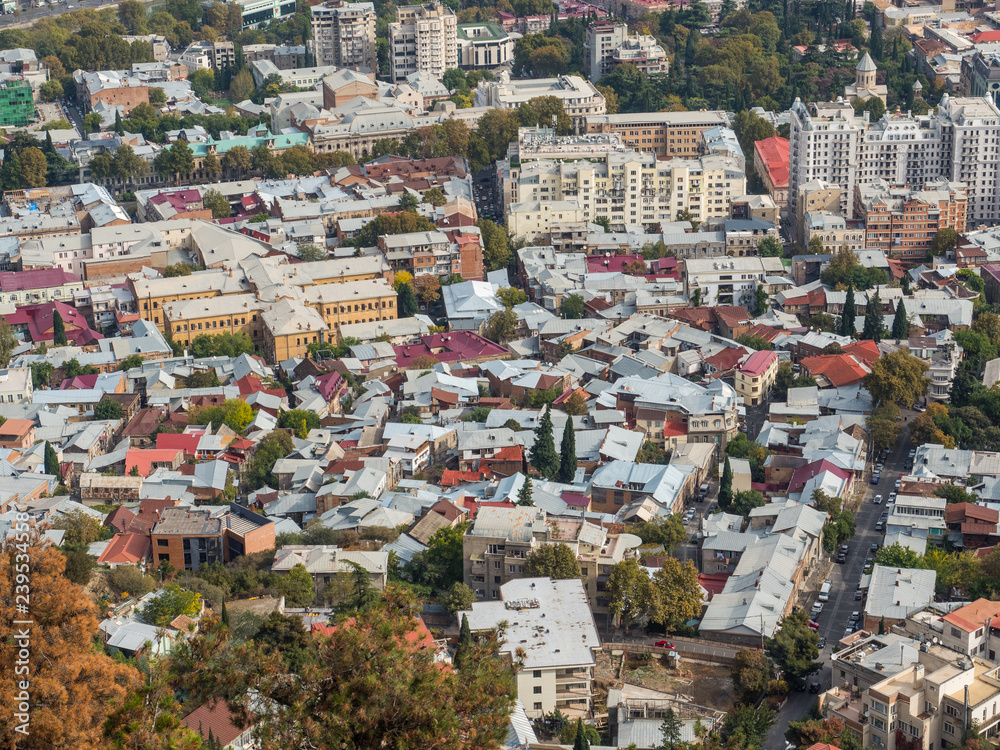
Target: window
x=162 y=542
x=537 y=690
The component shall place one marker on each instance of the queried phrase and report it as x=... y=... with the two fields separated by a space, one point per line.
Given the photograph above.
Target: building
x=15 y=385
x=667 y=134
x=981 y=75
x=728 y=281
x=579 y=97
x=17 y=107
x=327 y=563
x=755 y=377
x=902 y=222
x=344 y=35
x=38 y=286
x=609 y=44
x=424 y=38
x=770 y=161
x=895 y=593
x=17 y=434
x=865 y=86
x=955 y=142
x=551 y=630
x=188 y=538
x=257 y=12
x=484 y=45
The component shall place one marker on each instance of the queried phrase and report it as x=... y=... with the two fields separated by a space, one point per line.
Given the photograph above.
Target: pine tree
x=581 y=742
x=567 y=454
x=726 y=486
x=873 y=318
x=464 y=642
x=900 y=325
x=119 y=128
x=670 y=728
x=58 y=330
x=49 y=147
x=51 y=460
x=847 y=317
x=905 y=281
x=524 y=494
x=543 y=453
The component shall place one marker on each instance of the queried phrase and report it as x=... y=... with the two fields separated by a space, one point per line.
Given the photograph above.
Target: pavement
x=30 y=15
x=837 y=611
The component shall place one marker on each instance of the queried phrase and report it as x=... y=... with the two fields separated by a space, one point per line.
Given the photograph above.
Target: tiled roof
x=973 y=616
x=214 y=717
x=774 y=153
x=41 y=278
x=758 y=362
x=125 y=549
x=837 y=369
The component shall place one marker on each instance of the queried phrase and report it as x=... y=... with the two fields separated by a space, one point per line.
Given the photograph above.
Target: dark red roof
x=813 y=469
x=217 y=718
x=125 y=549
x=727 y=359
x=449 y=347
x=38 y=320
x=40 y=278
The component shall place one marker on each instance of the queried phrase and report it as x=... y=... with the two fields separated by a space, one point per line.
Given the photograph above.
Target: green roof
x=281 y=141
x=487 y=31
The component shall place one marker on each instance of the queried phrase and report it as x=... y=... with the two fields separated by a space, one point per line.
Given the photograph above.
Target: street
x=28 y=16
x=837 y=611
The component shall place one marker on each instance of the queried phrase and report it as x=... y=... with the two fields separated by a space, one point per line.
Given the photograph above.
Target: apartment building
x=188 y=538
x=902 y=222
x=579 y=97
x=551 y=631
x=958 y=141
x=609 y=44
x=344 y=34
x=728 y=281
x=755 y=377
x=484 y=45
x=15 y=385
x=327 y=563
x=770 y=160
x=424 y=38
x=418 y=252
x=41 y=285
x=632 y=187
x=667 y=134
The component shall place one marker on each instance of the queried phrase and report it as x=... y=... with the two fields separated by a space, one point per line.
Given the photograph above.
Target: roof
x=41 y=278
x=125 y=549
x=216 y=718
x=16 y=427
x=774 y=153
x=973 y=616
x=758 y=363
x=894 y=593
x=143 y=459
x=837 y=369
x=867 y=65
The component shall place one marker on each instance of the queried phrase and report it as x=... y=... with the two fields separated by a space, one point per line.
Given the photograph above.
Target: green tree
x=130 y=362
x=847 y=317
x=406 y=301
x=883 y=426
x=675 y=594
x=435 y=196
x=567 y=454
x=751 y=673
x=794 y=647
x=572 y=307
x=580 y=742
x=51 y=460
x=58 y=330
x=762 y=301
x=501 y=325
x=215 y=201
x=900 y=323
x=458 y=598
x=629 y=591
x=41 y=374
x=543 y=454
x=298 y=587
x=157 y=96
x=873 y=318
x=8 y=343
x=511 y=297
x=50 y=91
x=241 y=86
x=271 y=447
x=944 y=241
x=202 y=81
x=171 y=602
x=497 y=251
x=108 y=408
x=897 y=378
x=311 y=253
x=556 y=561
x=769 y=247
x=670 y=730
x=524 y=494
x=898 y=556
x=299 y=419
x=465 y=643
x=726 y=486
x=745 y=501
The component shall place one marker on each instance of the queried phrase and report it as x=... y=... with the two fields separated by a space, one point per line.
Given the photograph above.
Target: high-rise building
x=424 y=38
x=902 y=222
x=957 y=142
x=609 y=44
x=344 y=34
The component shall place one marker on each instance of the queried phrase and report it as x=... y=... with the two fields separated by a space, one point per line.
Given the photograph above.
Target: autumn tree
x=628 y=592
x=675 y=593
x=751 y=673
x=427 y=288
x=924 y=427
x=501 y=325
x=898 y=378
x=556 y=561
x=73 y=683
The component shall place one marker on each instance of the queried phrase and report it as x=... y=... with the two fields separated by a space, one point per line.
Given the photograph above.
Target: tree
x=435 y=196
x=668 y=531
x=883 y=426
x=41 y=374
x=51 y=460
x=427 y=288
x=670 y=730
x=408 y=201
x=202 y=81
x=73 y=684
x=130 y=362
x=762 y=301
x=501 y=325
x=751 y=672
x=236 y=414
x=726 y=486
x=555 y=561
x=458 y=598
x=310 y=253
x=900 y=323
x=988 y=324
x=794 y=647
x=543 y=454
x=237 y=160
x=898 y=556
x=178 y=269
x=8 y=343
x=524 y=494
x=157 y=96
x=575 y=406
x=211 y=165
x=406 y=301
x=769 y=247
x=215 y=201
x=873 y=319
x=171 y=602
x=108 y=408
x=897 y=378
x=567 y=454
x=924 y=428
x=241 y=86
x=572 y=307
x=465 y=643
x=128 y=579
x=132 y=15
x=50 y=91
x=58 y=330
x=81 y=528
x=816 y=246
x=511 y=297
x=675 y=595
x=847 y=317
x=272 y=446
x=944 y=241
x=298 y=587
x=745 y=501
x=302 y=420
x=497 y=252
x=628 y=591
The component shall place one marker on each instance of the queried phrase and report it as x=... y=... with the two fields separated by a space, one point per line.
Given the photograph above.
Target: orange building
x=188 y=538
x=902 y=222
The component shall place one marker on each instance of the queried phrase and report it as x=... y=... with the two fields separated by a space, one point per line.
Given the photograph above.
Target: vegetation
x=897 y=378
x=543 y=456
x=556 y=561
x=272 y=446
x=794 y=648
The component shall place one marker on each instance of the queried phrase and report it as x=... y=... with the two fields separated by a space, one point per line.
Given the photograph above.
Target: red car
x=814 y=625
x=664 y=644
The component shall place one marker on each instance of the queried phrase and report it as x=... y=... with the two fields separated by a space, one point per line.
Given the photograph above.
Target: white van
x=824 y=591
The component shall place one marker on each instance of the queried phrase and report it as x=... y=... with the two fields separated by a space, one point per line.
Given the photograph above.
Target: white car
x=877 y=500
x=817 y=608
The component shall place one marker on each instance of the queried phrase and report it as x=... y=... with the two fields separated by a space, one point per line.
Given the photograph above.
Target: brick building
x=188 y=538
x=902 y=222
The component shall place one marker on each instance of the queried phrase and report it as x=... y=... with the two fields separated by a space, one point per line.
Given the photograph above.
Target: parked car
x=841 y=558
x=813 y=687
x=816 y=609
x=880 y=525
x=877 y=499
x=858 y=594
x=821 y=643
x=814 y=625
x=874 y=547
x=875 y=478
x=855 y=616
x=665 y=644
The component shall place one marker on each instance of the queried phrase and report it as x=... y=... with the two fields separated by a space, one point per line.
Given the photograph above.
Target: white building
x=15 y=385
x=728 y=281
x=579 y=97
x=609 y=43
x=550 y=622
x=424 y=38
x=485 y=45
x=344 y=34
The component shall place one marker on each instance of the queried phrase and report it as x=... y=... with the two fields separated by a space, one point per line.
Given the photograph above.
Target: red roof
x=120 y=518
x=726 y=360
x=838 y=369
x=774 y=155
x=974 y=615
x=143 y=459
x=449 y=347
x=437 y=394
x=125 y=549
x=713 y=583
x=804 y=473
x=329 y=384
x=80 y=382
x=214 y=717
x=40 y=278
x=758 y=363
x=575 y=499
x=453 y=477
x=38 y=320
x=993 y=35
x=674 y=429
x=866 y=351
x=183 y=441
x=965 y=512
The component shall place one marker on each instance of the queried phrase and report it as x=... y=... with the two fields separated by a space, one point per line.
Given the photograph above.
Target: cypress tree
x=581 y=742
x=847 y=318
x=225 y=614
x=51 y=460
x=905 y=281
x=873 y=318
x=726 y=486
x=567 y=454
x=58 y=330
x=900 y=325
x=464 y=642
x=524 y=494
x=543 y=453
x=119 y=128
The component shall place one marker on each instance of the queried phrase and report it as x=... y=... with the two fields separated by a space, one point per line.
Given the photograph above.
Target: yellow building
x=755 y=377
x=237 y=313
x=357 y=302
x=289 y=328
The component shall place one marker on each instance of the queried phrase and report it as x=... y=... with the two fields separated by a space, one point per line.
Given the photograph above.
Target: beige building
x=424 y=38
x=344 y=34
x=755 y=377
x=579 y=97
x=327 y=563
x=666 y=134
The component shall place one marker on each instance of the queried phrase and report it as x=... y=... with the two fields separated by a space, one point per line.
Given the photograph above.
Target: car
x=813 y=687
x=875 y=478
x=665 y=644
x=816 y=609
x=858 y=594
x=874 y=547
x=841 y=558
x=877 y=499
x=814 y=625
x=899 y=483
x=821 y=643
x=892 y=498
x=880 y=525
x=848 y=631
x=844 y=548
x=912 y=453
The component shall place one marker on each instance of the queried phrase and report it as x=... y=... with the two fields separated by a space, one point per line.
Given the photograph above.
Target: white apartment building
x=959 y=141
x=608 y=44
x=579 y=97
x=344 y=34
x=630 y=187
x=424 y=38
x=728 y=281
x=15 y=385
x=485 y=45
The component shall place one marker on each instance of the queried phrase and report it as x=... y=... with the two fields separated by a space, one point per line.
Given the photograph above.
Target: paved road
x=837 y=612
x=29 y=16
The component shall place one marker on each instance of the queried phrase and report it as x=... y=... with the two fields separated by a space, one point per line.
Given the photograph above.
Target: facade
x=865 y=86
x=770 y=160
x=42 y=285
x=728 y=281
x=755 y=377
x=579 y=97
x=981 y=75
x=15 y=385
x=326 y=563
x=188 y=538
x=902 y=222
x=669 y=135
x=424 y=38
x=17 y=107
x=609 y=44
x=956 y=142
x=344 y=35
x=256 y=12
x=484 y=45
